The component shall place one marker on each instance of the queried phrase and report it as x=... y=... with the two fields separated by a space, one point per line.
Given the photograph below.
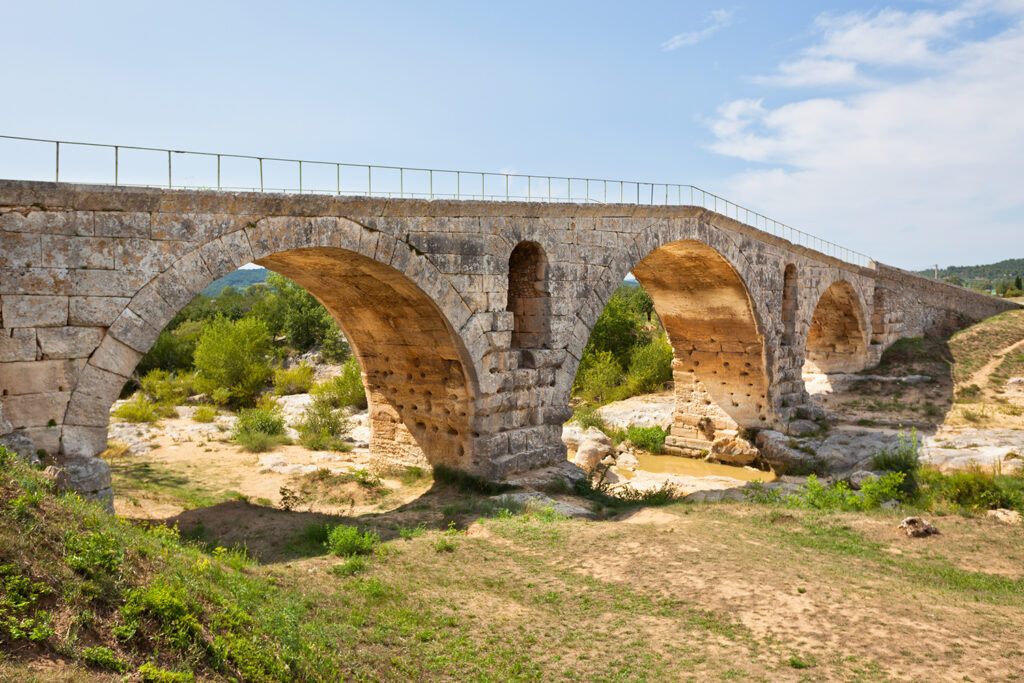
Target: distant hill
x=993 y=273
x=240 y=279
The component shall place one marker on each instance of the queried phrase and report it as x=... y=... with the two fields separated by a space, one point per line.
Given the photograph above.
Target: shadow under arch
x=719 y=367
x=837 y=338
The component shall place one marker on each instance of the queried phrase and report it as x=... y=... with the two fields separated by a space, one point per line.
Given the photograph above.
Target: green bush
x=232 y=355
x=904 y=459
x=344 y=390
x=352 y=565
x=972 y=491
x=167 y=388
x=587 y=416
x=650 y=366
x=295 y=380
x=817 y=496
x=137 y=409
x=151 y=673
x=261 y=428
x=334 y=348
x=346 y=540
x=651 y=439
x=322 y=427
x=598 y=376
x=174 y=349
x=204 y=414
x=104 y=658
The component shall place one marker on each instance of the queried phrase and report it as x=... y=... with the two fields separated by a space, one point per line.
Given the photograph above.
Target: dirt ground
x=683 y=592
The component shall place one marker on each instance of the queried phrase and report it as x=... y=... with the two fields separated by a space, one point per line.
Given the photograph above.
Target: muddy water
x=674 y=464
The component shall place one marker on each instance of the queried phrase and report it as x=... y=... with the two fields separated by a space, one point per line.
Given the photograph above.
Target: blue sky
x=894 y=129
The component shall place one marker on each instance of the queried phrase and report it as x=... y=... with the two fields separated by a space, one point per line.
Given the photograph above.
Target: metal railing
x=276 y=174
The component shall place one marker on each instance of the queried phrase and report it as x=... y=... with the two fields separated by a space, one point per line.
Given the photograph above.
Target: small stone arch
x=528 y=296
x=790 y=297
x=837 y=339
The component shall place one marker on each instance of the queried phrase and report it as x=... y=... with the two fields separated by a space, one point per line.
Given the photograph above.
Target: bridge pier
x=468 y=318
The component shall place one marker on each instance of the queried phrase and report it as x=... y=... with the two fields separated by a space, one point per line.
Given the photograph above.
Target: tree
x=1017 y=284
x=232 y=356
x=292 y=311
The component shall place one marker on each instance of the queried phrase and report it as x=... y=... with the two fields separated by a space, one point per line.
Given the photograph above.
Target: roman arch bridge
x=468 y=317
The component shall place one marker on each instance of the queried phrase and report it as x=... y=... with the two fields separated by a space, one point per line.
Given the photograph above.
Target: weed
x=344 y=390
x=204 y=414
x=347 y=540
x=151 y=673
x=261 y=428
x=297 y=380
x=446 y=543
x=903 y=458
x=104 y=658
x=322 y=426
x=651 y=439
x=410 y=532
x=137 y=409
x=354 y=564
x=587 y=416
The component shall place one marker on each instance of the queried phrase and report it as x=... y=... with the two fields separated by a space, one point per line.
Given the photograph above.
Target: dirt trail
x=981 y=376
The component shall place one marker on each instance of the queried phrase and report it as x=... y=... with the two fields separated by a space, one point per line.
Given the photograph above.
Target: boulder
x=733 y=450
x=91 y=478
x=5 y=426
x=21 y=445
x=627 y=461
x=60 y=478
x=779 y=451
x=916 y=527
x=564 y=472
x=802 y=427
x=571 y=434
x=608 y=461
x=594 y=446
x=1005 y=516
x=858 y=478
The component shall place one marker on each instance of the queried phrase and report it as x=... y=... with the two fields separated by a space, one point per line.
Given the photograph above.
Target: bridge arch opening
x=715 y=348
x=418 y=378
x=528 y=297
x=836 y=339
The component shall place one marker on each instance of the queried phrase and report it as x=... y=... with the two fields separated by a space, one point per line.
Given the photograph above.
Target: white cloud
x=810 y=71
x=911 y=172
x=715 y=21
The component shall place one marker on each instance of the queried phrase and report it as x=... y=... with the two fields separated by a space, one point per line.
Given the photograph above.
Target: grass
x=609 y=601
x=297 y=380
x=975 y=346
x=204 y=414
x=137 y=409
x=261 y=428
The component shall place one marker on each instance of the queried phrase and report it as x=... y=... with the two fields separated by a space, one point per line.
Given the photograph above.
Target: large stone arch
x=401 y=315
x=711 y=300
x=837 y=337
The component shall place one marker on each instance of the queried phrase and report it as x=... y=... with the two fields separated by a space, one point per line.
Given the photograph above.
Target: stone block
x=132 y=330
x=95 y=310
x=38 y=376
x=87 y=411
x=69 y=342
x=48 y=222
x=21 y=280
x=45 y=438
x=64 y=251
x=148 y=255
x=19 y=250
x=115 y=356
x=121 y=224
x=17 y=345
x=36 y=410
x=34 y=311
x=89 y=476
x=96 y=381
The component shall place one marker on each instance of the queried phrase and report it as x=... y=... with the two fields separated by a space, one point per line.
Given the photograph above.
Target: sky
x=894 y=129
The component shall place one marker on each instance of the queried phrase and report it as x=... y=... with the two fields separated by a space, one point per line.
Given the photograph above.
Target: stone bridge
x=468 y=317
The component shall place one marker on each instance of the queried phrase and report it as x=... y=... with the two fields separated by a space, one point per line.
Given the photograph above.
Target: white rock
x=627 y=461
x=1005 y=516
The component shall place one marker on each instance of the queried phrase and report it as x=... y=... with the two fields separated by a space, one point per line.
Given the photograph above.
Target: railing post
x=300 y=177
x=261 y=174
x=506 y=188
x=115 y=164
x=369 y=180
x=57 y=167
x=218 y=171
x=529 y=188
x=549 y=188
x=169 y=183
x=458 y=184
x=483 y=186
x=337 y=176
x=401 y=182
x=431 y=183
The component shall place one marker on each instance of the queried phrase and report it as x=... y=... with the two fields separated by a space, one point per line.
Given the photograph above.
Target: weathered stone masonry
x=468 y=318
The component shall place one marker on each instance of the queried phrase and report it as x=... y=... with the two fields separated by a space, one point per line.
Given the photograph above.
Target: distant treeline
x=240 y=280
x=1003 y=277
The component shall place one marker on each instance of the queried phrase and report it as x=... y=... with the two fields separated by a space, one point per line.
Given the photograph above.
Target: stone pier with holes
x=468 y=318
